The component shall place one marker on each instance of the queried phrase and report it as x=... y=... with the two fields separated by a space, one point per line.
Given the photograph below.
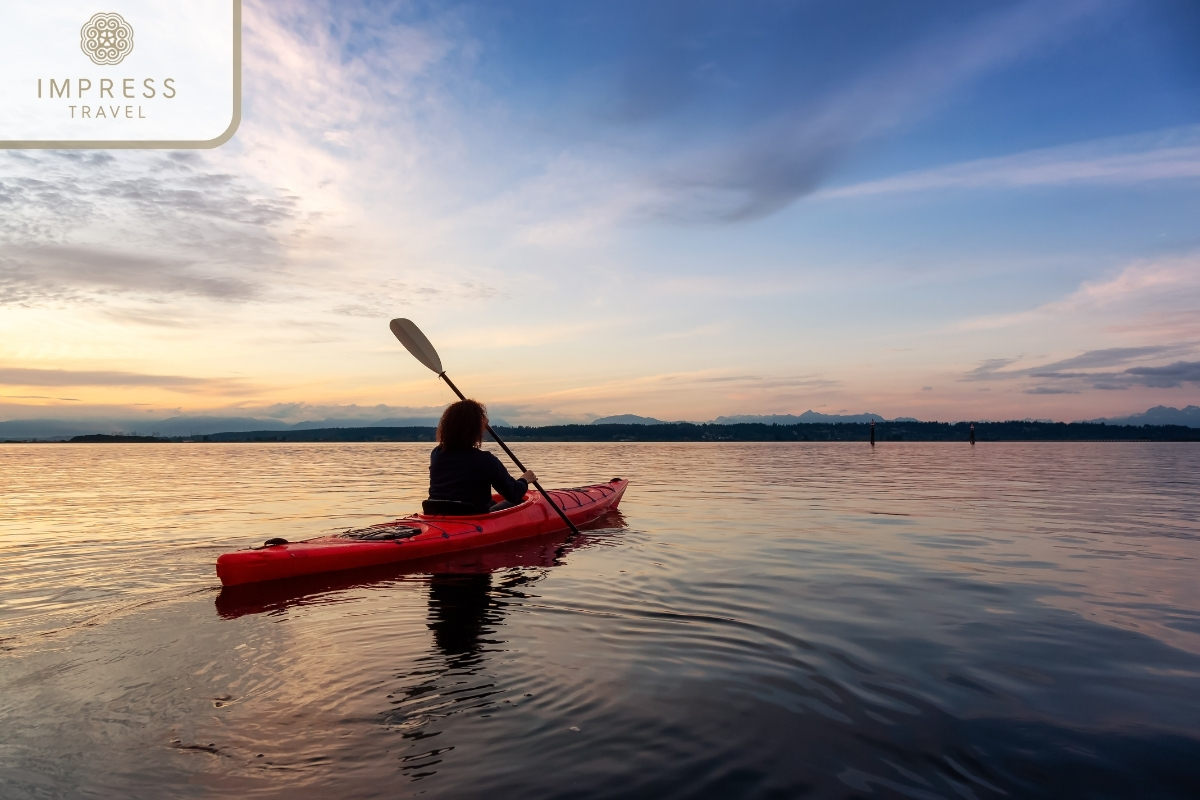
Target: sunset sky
x=942 y=210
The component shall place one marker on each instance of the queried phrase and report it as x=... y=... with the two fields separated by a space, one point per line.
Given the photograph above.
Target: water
x=759 y=620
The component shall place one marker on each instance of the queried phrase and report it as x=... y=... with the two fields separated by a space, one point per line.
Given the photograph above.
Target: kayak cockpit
x=440 y=509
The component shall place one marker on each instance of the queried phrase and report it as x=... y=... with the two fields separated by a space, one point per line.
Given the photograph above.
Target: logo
x=183 y=88
x=106 y=39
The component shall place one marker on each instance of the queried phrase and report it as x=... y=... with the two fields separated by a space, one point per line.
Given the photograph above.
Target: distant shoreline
x=1015 y=431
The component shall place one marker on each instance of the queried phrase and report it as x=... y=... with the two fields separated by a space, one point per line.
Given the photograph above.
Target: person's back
x=462 y=473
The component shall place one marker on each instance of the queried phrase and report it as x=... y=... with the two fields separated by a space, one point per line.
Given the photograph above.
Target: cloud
x=301 y=411
x=49 y=272
x=62 y=191
x=1056 y=378
x=667 y=390
x=289 y=413
x=374 y=116
x=1117 y=355
x=40 y=397
x=994 y=368
x=1168 y=377
x=704 y=128
x=80 y=226
x=1148 y=312
x=1050 y=390
x=794 y=154
x=385 y=298
x=23 y=376
x=1170 y=155
x=760 y=382
x=533 y=333
x=989 y=369
x=1153 y=299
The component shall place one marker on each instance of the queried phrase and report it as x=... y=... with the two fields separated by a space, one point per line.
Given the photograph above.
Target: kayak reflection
x=446 y=574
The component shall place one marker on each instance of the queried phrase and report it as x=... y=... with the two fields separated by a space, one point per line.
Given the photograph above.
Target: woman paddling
x=461 y=475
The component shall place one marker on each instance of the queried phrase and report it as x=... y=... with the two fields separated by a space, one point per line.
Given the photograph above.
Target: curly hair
x=462 y=425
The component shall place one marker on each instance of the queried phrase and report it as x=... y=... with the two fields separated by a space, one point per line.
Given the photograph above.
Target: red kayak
x=417 y=536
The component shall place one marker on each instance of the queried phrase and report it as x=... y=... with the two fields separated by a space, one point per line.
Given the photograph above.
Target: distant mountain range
x=767 y=419
x=807 y=417
x=630 y=419
x=1159 y=415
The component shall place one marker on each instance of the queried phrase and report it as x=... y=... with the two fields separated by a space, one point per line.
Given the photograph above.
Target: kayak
x=417 y=536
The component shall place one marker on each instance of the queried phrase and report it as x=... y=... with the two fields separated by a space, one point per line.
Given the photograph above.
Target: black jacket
x=468 y=477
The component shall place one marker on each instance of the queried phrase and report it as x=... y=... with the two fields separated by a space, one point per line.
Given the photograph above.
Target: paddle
x=416 y=343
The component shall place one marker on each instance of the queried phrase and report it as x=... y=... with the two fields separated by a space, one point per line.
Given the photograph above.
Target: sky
x=941 y=210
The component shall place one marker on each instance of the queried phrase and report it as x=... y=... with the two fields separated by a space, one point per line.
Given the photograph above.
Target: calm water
x=759 y=620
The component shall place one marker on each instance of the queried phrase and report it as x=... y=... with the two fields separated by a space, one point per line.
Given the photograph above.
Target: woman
x=463 y=474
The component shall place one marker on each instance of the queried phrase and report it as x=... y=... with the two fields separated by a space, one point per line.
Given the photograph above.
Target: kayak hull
x=434 y=535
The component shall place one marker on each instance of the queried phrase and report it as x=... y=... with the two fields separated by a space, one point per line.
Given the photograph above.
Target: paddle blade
x=415 y=342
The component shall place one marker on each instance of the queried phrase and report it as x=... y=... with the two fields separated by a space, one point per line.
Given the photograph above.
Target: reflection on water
x=758 y=621
x=459 y=607
x=540 y=551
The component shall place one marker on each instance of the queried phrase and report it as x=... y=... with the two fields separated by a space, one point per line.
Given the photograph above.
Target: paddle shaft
x=516 y=460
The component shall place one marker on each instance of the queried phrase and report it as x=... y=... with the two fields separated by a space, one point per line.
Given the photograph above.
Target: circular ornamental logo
x=106 y=38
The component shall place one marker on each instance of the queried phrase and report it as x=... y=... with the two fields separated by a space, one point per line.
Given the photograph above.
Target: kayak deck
x=418 y=536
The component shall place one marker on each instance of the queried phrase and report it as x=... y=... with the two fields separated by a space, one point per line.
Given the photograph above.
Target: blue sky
x=673 y=209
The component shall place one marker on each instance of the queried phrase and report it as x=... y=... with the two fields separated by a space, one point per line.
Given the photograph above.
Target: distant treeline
x=109 y=438
x=1015 y=431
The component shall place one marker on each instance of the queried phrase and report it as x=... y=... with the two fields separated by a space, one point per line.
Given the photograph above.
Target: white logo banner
x=120 y=73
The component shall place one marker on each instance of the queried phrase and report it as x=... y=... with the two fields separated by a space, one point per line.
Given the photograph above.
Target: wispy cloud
x=1050 y=390
x=51 y=272
x=795 y=154
x=24 y=376
x=284 y=413
x=989 y=369
x=1157 y=298
x=383 y=300
x=995 y=368
x=1115 y=356
x=716 y=387
x=39 y=397
x=301 y=411
x=78 y=226
x=1170 y=155
x=1169 y=376
x=580 y=190
x=1078 y=373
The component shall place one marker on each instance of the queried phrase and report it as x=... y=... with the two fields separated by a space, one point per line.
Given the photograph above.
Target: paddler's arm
x=512 y=490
